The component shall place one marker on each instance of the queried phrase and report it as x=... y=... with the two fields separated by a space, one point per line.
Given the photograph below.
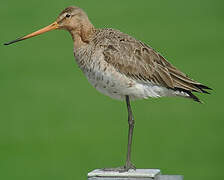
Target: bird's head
x=72 y=19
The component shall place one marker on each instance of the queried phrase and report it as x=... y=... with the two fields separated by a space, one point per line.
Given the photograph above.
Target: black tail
x=203 y=87
x=191 y=95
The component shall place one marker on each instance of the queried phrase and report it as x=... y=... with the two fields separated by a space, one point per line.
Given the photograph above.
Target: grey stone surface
x=117 y=178
x=138 y=174
x=169 y=177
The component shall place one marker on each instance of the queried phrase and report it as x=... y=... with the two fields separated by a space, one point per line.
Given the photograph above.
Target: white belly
x=112 y=83
x=117 y=85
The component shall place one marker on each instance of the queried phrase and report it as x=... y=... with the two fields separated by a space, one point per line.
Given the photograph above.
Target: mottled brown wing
x=140 y=62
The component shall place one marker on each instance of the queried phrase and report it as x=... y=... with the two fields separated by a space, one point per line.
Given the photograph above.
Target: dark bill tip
x=14 y=41
x=50 y=27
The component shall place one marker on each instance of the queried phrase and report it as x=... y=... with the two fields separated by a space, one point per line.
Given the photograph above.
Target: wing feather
x=142 y=63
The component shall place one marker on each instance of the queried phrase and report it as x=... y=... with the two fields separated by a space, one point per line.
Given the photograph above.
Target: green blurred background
x=54 y=125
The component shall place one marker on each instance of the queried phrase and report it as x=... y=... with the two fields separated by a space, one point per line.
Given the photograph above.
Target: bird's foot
x=129 y=165
x=121 y=169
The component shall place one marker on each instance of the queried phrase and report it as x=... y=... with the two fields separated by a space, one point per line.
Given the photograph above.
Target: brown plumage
x=120 y=66
x=139 y=61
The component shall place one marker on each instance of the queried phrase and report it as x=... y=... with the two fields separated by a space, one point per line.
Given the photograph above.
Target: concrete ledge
x=169 y=177
x=138 y=174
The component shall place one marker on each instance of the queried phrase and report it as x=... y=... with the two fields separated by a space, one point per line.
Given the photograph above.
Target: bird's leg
x=131 y=122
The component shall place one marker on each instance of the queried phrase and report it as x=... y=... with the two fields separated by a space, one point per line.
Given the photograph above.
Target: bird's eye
x=67 y=15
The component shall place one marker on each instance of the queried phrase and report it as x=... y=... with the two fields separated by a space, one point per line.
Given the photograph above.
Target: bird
x=120 y=66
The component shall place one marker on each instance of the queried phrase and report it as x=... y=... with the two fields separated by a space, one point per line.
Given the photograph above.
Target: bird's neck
x=82 y=35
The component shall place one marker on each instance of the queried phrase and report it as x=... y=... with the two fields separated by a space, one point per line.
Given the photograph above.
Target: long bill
x=36 y=33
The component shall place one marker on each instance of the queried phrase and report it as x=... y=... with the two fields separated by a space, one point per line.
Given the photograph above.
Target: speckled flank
x=107 y=80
